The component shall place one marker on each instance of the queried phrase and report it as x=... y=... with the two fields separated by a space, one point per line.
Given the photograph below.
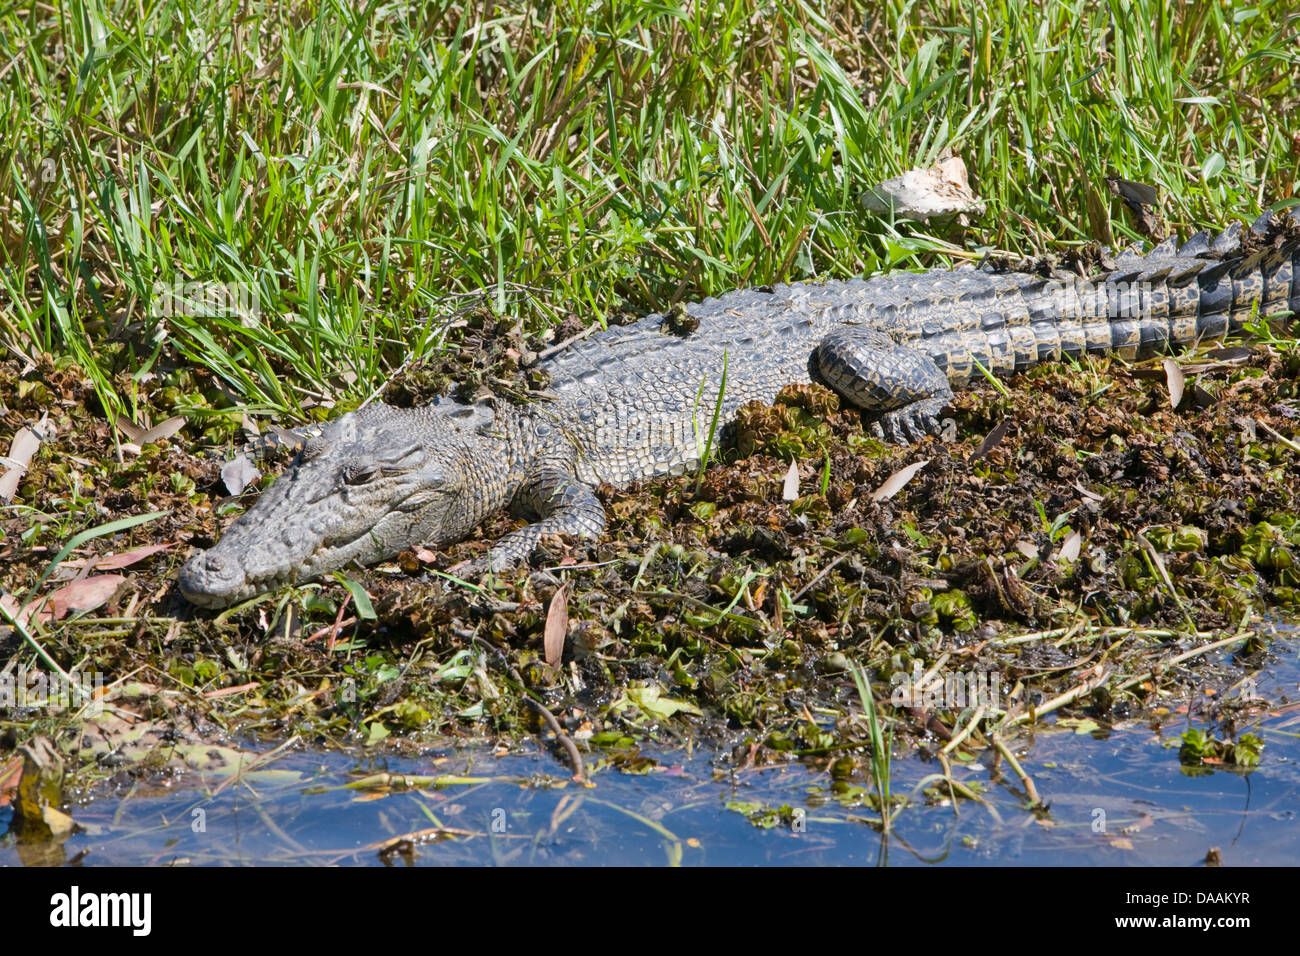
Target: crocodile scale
x=636 y=401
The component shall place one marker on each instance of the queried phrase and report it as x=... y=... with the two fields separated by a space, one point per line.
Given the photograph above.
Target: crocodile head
x=375 y=482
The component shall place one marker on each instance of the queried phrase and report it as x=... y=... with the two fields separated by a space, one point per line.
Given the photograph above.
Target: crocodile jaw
x=275 y=544
x=222 y=575
x=364 y=491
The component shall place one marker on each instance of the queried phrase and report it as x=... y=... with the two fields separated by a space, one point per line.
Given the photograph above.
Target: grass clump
x=274 y=205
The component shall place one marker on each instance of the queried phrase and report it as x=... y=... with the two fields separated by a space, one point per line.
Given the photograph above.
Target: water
x=1114 y=798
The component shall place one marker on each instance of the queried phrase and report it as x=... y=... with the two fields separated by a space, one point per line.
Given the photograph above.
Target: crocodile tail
x=1173 y=295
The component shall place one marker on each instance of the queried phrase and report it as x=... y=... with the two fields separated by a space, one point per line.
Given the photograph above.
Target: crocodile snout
x=211 y=579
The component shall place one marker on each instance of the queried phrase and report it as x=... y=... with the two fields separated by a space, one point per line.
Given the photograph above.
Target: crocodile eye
x=360 y=472
x=315 y=447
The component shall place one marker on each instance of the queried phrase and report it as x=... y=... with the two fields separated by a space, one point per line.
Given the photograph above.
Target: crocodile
x=639 y=400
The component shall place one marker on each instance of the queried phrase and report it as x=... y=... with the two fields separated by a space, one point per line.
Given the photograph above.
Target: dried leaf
x=1175 y=379
x=238 y=473
x=129 y=428
x=1131 y=192
x=115 y=562
x=1157 y=560
x=790 y=490
x=1234 y=355
x=1098 y=211
x=21 y=449
x=895 y=482
x=1090 y=495
x=59 y=823
x=125 y=559
x=164 y=430
x=1141 y=823
x=1203 y=398
x=557 y=625
x=991 y=439
x=1148 y=374
x=83 y=595
x=1070 y=549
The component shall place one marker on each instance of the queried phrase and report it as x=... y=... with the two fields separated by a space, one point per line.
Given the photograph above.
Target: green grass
x=371 y=171
x=882 y=742
x=708 y=448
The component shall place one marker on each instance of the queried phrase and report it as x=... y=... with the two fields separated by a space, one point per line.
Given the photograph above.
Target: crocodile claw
x=494 y=562
x=909 y=424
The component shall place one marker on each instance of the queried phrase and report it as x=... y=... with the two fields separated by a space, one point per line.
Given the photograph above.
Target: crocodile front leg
x=562 y=504
x=899 y=384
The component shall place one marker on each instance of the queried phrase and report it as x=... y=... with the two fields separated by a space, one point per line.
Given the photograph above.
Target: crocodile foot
x=912 y=422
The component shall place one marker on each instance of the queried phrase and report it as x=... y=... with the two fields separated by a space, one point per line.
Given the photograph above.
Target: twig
x=820 y=574
x=330 y=628
x=965 y=791
x=579 y=772
x=1098 y=631
x=583 y=567
x=417 y=837
x=1157 y=564
x=1278 y=435
x=1057 y=702
x=388 y=380
x=965 y=731
x=338 y=624
x=884 y=59
x=1188 y=655
x=561 y=346
x=1030 y=790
